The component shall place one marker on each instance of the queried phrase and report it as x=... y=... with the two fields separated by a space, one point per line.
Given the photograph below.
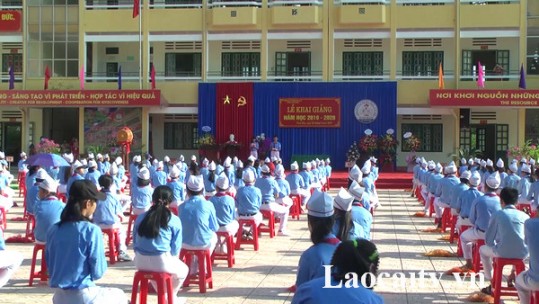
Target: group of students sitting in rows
x=491 y=200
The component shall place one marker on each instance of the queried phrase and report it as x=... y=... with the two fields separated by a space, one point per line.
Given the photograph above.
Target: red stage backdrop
x=310 y=112
x=234 y=114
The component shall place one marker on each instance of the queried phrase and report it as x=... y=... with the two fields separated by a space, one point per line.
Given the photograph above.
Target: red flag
x=152 y=77
x=47 y=77
x=136 y=8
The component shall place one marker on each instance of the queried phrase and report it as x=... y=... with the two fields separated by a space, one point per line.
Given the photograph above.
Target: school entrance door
x=485 y=141
x=11 y=139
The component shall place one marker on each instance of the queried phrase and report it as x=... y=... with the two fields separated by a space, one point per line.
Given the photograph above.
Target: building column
x=145 y=117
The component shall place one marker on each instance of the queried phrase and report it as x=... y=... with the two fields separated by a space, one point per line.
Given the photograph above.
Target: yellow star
x=226 y=100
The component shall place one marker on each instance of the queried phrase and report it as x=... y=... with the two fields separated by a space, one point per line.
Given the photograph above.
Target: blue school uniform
x=62 y=175
x=169 y=239
x=482 y=209
x=445 y=188
x=53 y=172
x=374 y=171
x=93 y=176
x=31 y=198
x=238 y=182
x=328 y=171
x=75 y=265
x=177 y=190
x=356 y=230
x=433 y=182
x=105 y=167
x=313 y=292
x=455 y=194
x=106 y=212
x=225 y=208
x=312 y=260
x=121 y=172
x=306 y=178
x=141 y=197
x=209 y=186
x=524 y=187
x=284 y=187
x=295 y=180
x=30 y=180
x=21 y=165
x=511 y=181
x=159 y=178
x=248 y=200
x=533 y=194
x=505 y=233
x=363 y=218
x=47 y=213
x=71 y=180
x=465 y=201
x=199 y=221
x=368 y=183
x=133 y=170
x=268 y=188
x=531 y=227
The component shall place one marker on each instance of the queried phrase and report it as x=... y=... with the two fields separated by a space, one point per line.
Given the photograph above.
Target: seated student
x=512 y=179
x=458 y=190
x=74 y=266
x=480 y=213
x=270 y=191
x=93 y=173
x=524 y=185
x=360 y=210
x=533 y=194
x=432 y=185
x=249 y=199
x=466 y=198
x=354 y=256
x=198 y=218
x=141 y=196
x=344 y=228
x=238 y=174
x=528 y=281
x=225 y=208
x=116 y=187
x=177 y=187
x=505 y=234
x=32 y=193
x=209 y=176
x=109 y=214
x=320 y=212
x=159 y=176
x=283 y=197
x=78 y=174
x=157 y=239
x=10 y=261
x=297 y=184
x=307 y=177
x=228 y=171
x=444 y=191
x=47 y=209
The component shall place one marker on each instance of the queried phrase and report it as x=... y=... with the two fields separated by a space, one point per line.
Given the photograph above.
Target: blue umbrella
x=47 y=160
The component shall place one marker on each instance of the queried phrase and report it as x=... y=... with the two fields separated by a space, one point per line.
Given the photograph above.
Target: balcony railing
x=177 y=76
x=423 y=2
x=448 y=74
x=485 y=2
x=360 y=76
x=348 y=2
x=104 y=77
x=228 y=3
x=11 y=5
x=296 y=76
x=5 y=77
x=493 y=76
x=224 y=75
x=175 y=4
x=295 y=3
x=109 y=4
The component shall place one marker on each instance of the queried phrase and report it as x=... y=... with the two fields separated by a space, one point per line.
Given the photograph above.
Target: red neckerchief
x=332 y=241
x=218 y=194
x=51 y=198
x=491 y=194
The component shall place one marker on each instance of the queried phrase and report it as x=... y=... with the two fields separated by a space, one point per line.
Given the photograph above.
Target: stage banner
x=234 y=106
x=310 y=112
x=78 y=98
x=484 y=98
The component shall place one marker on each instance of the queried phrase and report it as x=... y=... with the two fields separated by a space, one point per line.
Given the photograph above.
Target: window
x=293 y=64
x=183 y=64
x=421 y=63
x=181 y=135
x=490 y=59
x=363 y=63
x=533 y=55
x=430 y=135
x=240 y=64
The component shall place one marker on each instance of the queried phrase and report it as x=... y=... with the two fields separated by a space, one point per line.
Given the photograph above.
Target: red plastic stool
x=42 y=273
x=132 y=219
x=229 y=256
x=163 y=280
x=295 y=209
x=21 y=179
x=459 y=242
x=497 y=289
x=431 y=207
x=3 y=218
x=254 y=229
x=114 y=241
x=204 y=268
x=30 y=226
x=534 y=299
x=452 y=229
x=476 y=259
x=446 y=219
x=270 y=227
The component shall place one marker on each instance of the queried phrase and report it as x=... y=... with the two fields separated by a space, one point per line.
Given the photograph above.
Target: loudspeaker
x=464 y=118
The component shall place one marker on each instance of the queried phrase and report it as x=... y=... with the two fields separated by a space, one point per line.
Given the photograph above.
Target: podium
x=211 y=152
x=231 y=150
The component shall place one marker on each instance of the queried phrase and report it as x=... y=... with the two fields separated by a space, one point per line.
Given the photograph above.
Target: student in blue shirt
x=500 y=167
x=209 y=176
x=357 y=256
x=458 y=190
x=320 y=212
x=512 y=179
x=524 y=185
x=270 y=191
x=157 y=239
x=528 y=280
x=10 y=261
x=109 y=214
x=249 y=199
x=360 y=210
x=93 y=173
x=141 y=196
x=275 y=147
x=505 y=235
x=198 y=218
x=32 y=193
x=47 y=209
x=238 y=180
x=178 y=189
x=74 y=266
x=133 y=170
x=159 y=177
x=78 y=174
x=225 y=212
x=305 y=173
x=444 y=191
x=345 y=228
x=297 y=184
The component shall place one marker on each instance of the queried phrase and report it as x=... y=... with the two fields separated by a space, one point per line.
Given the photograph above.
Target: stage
x=388 y=180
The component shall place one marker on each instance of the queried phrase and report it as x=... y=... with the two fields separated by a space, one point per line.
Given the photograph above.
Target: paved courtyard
x=263 y=276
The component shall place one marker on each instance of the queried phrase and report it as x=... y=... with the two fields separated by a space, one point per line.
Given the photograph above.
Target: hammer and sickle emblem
x=241 y=101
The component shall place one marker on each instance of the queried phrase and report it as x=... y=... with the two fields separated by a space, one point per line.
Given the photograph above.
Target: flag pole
x=140 y=45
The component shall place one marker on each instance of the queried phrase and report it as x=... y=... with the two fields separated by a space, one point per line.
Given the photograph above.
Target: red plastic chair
x=3 y=218
x=497 y=289
x=30 y=226
x=204 y=268
x=477 y=266
x=270 y=226
x=21 y=179
x=446 y=219
x=459 y=242
x=295 y=209
x=163 y=280
x=113 y=235
x=229 y=256
x=254 y=229
x=534 y=299
x=42 y=273
x=129 y=236
x=431 y=207
x=452 y=229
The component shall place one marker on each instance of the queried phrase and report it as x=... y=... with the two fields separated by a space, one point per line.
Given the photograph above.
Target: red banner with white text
x=484 y=98
x=310 y=112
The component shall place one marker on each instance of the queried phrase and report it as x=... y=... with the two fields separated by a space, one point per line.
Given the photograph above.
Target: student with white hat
x=512 y=179
x=284 y=187
x=463 y=166
x=320 y=212
x=47 y=209
x=249 y=165
x=533 y=193
x=360 y=210
x=78 y=174
x=444 y=191
x=93 y=173
x=22 y=167
x=458 y=189
x=297 y=183
x=500 y=167
x=209 y=176
x=228 y=171
x=121 y=172
x=270 y=191
x=466 y=198
x=225 y=207
x=368 y=183
x=178 y=189
x=141 y=192
x=305 y=173
x=199 y=222
x=249 y=199
x=481 y=210
x=159 y=177
x=117 y=186
x=354 y=175
x=238 y=174
x=432 y=185
x=253 y=148
x=133 y=169
x=345 y=228
x=109 y=214
x=524 y=185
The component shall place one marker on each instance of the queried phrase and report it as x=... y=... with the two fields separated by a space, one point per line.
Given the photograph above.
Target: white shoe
x=283 y=233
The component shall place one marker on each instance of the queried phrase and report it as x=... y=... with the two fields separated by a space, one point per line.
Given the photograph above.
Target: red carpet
x=386 y=180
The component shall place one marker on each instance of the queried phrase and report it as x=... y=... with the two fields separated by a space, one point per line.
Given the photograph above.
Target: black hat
x=84 y=189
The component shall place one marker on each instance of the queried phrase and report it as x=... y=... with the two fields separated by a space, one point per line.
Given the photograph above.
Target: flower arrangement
x=353 y=153
x=206 y=138
x=411 y=142
x=388 y=146
x=48 y=146
x=528 y=150
x=369 y=142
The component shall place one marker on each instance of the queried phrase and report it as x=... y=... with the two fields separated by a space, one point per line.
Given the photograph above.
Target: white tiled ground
x=263 y=276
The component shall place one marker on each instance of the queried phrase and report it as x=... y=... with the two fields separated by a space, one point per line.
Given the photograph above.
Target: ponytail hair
x=320 y=227
x=159 y=215
x=211 y=176
x=345 y=223
x=73 y=211
x=359 y=256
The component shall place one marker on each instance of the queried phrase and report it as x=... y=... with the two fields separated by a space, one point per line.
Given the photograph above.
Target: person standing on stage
x=275 y=148
x=253 y=147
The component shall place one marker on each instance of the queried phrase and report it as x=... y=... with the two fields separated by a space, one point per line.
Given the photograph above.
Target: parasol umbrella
x=47 y=160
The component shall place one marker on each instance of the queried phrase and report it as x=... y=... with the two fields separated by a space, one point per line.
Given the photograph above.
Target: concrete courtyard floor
x=263 y=276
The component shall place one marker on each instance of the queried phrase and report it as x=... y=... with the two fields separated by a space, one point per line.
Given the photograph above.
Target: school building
x=90 y=43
